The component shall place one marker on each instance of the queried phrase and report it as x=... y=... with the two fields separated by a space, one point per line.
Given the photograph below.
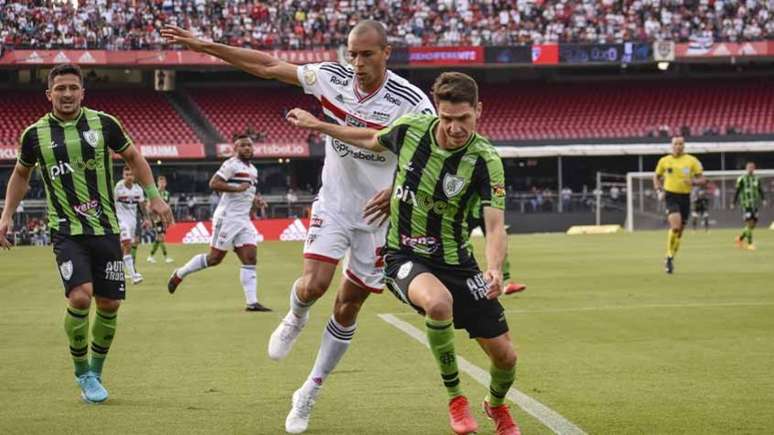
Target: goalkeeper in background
x=749 y=191
x=680 y=172
x=159 y=231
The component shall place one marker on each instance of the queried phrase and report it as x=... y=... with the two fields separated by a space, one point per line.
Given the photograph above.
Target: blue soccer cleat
x=92 y=390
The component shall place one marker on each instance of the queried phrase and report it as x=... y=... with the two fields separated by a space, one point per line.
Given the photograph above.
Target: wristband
x=151 y=191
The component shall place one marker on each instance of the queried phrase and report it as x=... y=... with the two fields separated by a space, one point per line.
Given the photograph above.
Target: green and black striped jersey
x=77 y=169
x=435 y=190
x=749 y=191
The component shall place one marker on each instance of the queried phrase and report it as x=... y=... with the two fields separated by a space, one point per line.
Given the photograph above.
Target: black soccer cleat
x=669 y=266
x=256 y=307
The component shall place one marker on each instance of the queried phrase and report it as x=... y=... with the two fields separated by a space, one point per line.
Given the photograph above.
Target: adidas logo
x=295 y=231
x=197 y=234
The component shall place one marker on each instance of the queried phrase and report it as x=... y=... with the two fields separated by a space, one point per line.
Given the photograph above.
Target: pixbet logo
x=61 y=168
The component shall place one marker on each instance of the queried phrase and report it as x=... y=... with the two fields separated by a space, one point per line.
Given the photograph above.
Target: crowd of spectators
x=311 y=24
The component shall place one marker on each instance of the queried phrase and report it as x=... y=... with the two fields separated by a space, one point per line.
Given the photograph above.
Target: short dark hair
x=240 y=136
x=455 y=87
x=374 y=25
x=62 y=69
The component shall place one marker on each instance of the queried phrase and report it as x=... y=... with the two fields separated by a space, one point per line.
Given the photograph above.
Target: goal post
x=644 y=210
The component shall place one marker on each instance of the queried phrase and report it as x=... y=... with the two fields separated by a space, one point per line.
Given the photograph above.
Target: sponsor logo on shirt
x=89 y=209
x=344 y=150
x=380 y=117
x=391 y=99
x=339 y=82
x=422 y=245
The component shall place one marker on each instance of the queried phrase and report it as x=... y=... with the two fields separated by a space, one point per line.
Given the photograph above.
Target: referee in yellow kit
x=680 y=172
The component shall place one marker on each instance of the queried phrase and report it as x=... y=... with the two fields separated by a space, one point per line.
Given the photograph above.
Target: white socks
x=248 y=279
x=197 y=262
x=334 y=344
x=129 y=266
x=298 y=308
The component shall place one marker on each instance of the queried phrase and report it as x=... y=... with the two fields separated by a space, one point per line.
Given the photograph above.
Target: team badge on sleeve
x=498 y=190
x=92 y=137
x=310 y=78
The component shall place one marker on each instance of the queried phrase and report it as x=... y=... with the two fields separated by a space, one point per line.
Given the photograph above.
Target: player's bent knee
x=108 y=305
x=80 y=297
x=438 y=308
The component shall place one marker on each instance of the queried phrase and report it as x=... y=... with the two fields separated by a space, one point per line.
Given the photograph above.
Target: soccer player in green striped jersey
x=71 y=146
x=444 y=169
x=159 y=231
x=749 y=191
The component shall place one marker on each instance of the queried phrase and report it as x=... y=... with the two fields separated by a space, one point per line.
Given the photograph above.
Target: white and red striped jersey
x=236 y=204
x=127 y=200
x=351 y=176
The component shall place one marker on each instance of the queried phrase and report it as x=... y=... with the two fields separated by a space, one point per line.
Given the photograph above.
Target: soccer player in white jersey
x=130 y=199
x=232 y=227
x=363 y=93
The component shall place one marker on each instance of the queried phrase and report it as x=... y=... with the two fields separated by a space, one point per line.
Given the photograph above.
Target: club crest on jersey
x=92 y=137
x=452 y=185
x=66 y=269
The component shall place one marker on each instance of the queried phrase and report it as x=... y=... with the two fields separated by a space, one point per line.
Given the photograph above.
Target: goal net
x=645 y=211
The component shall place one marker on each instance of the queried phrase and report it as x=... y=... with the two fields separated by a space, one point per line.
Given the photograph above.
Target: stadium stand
x=124 y=25
x=145 y=114
x=606 y=109
x=511 y=113
x=232 y=110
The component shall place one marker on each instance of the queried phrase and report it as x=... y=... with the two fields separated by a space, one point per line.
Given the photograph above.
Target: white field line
x=628 y=307
x=548 y=417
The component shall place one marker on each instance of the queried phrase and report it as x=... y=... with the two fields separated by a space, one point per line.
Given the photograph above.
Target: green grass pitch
x=605 y=339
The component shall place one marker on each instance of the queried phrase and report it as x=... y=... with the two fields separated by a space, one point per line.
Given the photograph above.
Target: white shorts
x=232 y=233
x=128 y=229
x=329 y=240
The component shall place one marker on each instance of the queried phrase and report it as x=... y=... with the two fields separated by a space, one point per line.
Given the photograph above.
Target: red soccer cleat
x=739 y=242
x=460 y=418
x=514 y=287
x=173 y=282
x=504 y=424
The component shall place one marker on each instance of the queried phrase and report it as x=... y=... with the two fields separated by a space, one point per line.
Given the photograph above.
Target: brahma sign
x=268 y=229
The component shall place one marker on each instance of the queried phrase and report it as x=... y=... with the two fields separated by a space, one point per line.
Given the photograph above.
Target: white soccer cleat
x=150 y=260
x=303 y=401
x=168 y=260
x=136 y=278
x=282 y=339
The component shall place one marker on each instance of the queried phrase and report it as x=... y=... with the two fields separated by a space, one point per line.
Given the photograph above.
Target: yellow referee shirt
x=678 y=172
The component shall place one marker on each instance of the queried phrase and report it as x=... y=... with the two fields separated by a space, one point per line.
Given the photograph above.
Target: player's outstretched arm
x=496 y=239
x=365 y=138
x=255 y=62
x=142 y=171
x=17 y=188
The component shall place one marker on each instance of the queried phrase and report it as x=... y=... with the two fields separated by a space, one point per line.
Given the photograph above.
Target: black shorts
x=94 y=259
x=679 y=203
x=750 y=213
x=158 y=227
x=472 y=311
